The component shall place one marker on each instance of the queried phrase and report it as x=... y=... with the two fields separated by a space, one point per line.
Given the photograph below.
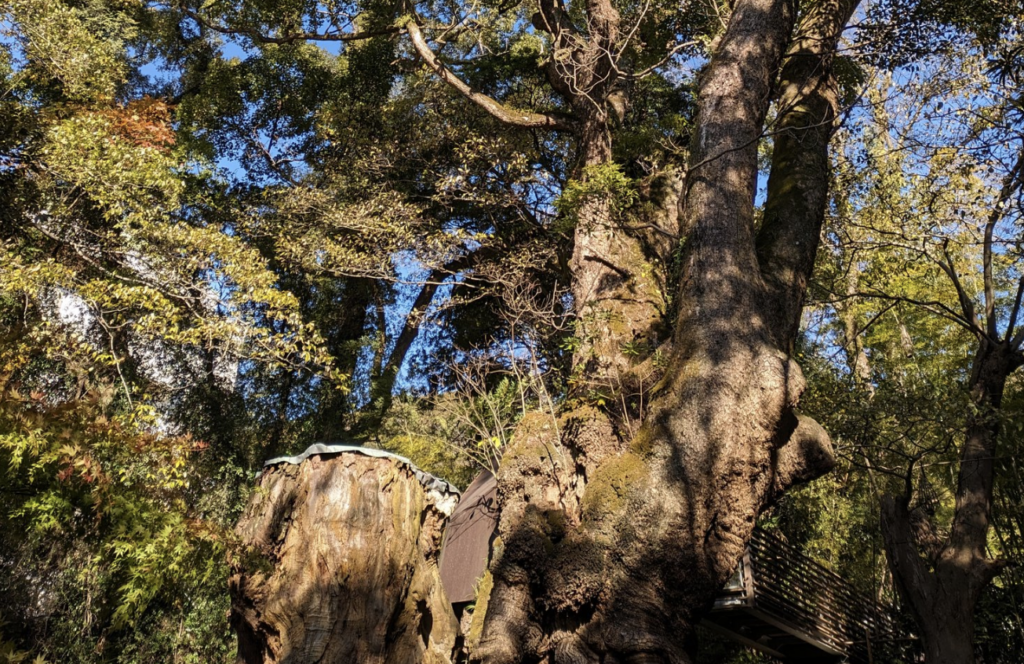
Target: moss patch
x=642 y=444
x=483 y=595
x=611 y=484
x=532 y=439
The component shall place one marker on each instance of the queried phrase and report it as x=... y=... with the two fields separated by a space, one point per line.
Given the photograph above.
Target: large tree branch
x=966 y=303
x=934 y=306
x=493 y=107
x=806 y=455
x=721 y=176
x=915 y=582
x=1011 y=183
x=1018 y=339
x=993 y=364
x=1011 y=325
x=798 y=184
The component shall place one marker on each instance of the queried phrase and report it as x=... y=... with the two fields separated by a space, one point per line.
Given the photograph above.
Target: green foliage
x=604 y=182
x=80 y=49
x=10 y=654
x=125 y=289
x=456 y=435
x=888 y=359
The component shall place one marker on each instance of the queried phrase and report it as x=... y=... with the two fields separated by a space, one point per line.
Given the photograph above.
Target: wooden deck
x=786 y=605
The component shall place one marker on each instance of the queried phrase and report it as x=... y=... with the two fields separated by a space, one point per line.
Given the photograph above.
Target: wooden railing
x=789 y=586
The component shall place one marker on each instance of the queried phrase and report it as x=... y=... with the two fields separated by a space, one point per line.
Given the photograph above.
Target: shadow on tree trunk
x=338 y=563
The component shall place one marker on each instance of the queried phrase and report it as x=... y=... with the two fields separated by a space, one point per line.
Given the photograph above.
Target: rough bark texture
x=612 y=546
x=941 y=580
x=615 y=290
x=797 y=185
x=339 y=564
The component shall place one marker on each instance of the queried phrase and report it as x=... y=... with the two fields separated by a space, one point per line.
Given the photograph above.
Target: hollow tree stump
x=339 y=564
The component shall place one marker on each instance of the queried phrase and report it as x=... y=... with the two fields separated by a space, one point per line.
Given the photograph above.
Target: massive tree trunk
x=620 y=520
x=338 y=563
x=612 y=545
x=941 y=580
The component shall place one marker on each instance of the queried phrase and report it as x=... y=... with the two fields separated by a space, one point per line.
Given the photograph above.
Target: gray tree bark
x=941 y=579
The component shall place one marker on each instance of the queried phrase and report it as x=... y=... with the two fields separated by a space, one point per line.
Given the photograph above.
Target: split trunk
x=619 y=523
x=941 y=581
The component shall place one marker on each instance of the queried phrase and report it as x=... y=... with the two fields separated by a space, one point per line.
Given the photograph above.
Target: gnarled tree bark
x=338 y=563
x=612 y=547
x=614 y=539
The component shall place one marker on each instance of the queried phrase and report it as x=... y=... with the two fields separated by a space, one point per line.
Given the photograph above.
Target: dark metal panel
x=467 y=540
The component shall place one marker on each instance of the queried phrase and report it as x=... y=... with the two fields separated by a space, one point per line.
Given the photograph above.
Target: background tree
x=926 y=232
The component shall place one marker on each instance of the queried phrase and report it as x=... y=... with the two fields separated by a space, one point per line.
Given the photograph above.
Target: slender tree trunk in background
x=284 y=397
x=856 y=356
x=338 y=563
x=942 y=586
x=612 y=546
x=384 y=373
x=942 y=582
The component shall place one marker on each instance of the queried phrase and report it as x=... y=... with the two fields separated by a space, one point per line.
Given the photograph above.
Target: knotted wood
x=338 y=563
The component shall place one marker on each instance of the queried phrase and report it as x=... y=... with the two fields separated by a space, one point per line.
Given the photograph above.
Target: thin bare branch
x=934 y=306
x=966 y=303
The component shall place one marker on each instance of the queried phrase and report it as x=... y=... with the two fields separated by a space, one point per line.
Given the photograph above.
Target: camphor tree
x=248 y=196
x=649 y=528
x=614 y=540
